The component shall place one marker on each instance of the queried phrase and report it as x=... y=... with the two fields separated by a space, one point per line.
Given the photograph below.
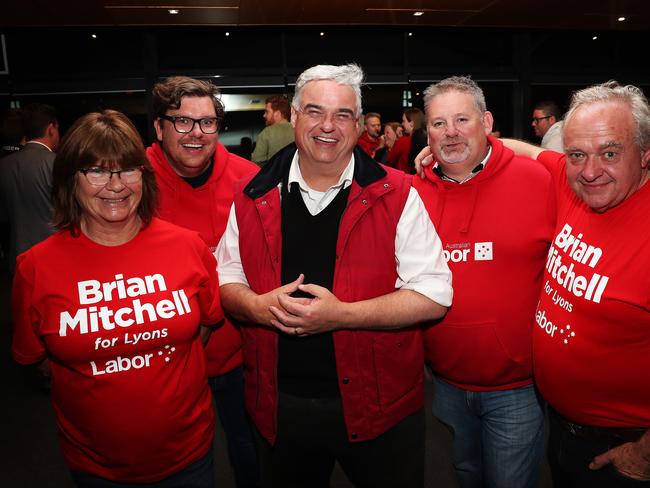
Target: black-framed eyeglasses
x=537 y=120
x=100 y=177
x=184 y=125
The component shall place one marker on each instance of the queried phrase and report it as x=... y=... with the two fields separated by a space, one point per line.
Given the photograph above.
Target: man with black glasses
x=547 y=124
x=195 y=175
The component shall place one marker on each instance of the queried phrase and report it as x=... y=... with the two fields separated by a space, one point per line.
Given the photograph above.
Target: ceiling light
x=410 y=34
x=322 y=34
x=173 y=11
x=594 y=38
x=227 y=34
x=621 y=19
x=94 y=36
x=418 y=14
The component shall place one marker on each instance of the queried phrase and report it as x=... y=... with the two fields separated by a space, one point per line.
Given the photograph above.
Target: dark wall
x=77 y=72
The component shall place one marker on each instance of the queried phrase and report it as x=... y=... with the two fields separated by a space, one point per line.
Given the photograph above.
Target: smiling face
x=604 y=164
x=114 y=205
x=457 y=132
x=189 y=154
x=328 y=139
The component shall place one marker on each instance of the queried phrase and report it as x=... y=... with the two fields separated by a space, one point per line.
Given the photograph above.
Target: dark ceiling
x=556 y=14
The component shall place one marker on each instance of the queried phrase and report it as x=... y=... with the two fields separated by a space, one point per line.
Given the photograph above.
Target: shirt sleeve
x=552 y=161
x=227 y=254
x=27 y=345
x=421 y=266
x=555 y=163
x=209 y=300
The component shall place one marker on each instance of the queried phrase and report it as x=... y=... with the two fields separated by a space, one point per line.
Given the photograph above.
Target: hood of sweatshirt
x=435 y=190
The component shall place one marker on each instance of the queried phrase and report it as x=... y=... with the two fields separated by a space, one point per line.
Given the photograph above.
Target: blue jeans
x=498 y=435
x=199 y=474
x=228 y=392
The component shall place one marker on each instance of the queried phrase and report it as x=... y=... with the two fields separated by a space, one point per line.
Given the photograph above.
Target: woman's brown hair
x=108 y=140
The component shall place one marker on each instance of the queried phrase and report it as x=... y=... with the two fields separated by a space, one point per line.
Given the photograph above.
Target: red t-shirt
x=591 y=344
x=120 y=326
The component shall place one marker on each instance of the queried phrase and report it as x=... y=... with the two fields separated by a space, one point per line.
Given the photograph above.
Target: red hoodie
x=205 y=210
x=495 y=229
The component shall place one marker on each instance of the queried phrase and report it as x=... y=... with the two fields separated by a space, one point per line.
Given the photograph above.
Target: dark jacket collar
x=366 y=171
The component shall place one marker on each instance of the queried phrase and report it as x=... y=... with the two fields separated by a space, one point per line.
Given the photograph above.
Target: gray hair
x=347 y=74
x=612 y=91
x=462 y=84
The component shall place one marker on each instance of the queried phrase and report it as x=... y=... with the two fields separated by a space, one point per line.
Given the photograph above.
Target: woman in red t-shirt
x=115 y=301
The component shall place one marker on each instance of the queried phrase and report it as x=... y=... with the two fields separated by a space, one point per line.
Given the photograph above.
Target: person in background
x=278 y=131
x=115 y=300
x=26 y=181
x=245 y=148
x=547 y=124
x=370 y=140
x=196 y=175
x=389 y=136
x=398 y=157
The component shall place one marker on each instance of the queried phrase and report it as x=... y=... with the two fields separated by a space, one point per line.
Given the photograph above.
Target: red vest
x=380 y=372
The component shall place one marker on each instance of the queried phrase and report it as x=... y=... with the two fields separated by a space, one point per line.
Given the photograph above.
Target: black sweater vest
x=307 y=365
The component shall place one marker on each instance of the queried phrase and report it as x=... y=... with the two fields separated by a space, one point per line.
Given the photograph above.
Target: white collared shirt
x=316 y=201
x=421 y=266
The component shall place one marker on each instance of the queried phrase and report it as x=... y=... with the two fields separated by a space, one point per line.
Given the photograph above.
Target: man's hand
x=266 y=302
x=424 y=158
x=632 y=459
x=245 y=305
x=307 y=316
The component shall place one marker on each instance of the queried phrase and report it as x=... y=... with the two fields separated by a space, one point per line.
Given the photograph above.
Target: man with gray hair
x=494 y=213
x=327 y=260
x=592 y=343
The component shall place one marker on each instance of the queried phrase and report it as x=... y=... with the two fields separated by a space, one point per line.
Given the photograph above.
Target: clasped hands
x=303 y=316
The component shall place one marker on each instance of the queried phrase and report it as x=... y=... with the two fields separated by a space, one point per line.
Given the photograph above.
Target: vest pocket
x=399 y=364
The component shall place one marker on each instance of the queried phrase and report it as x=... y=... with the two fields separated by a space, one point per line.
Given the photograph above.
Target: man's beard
x=455 y=156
